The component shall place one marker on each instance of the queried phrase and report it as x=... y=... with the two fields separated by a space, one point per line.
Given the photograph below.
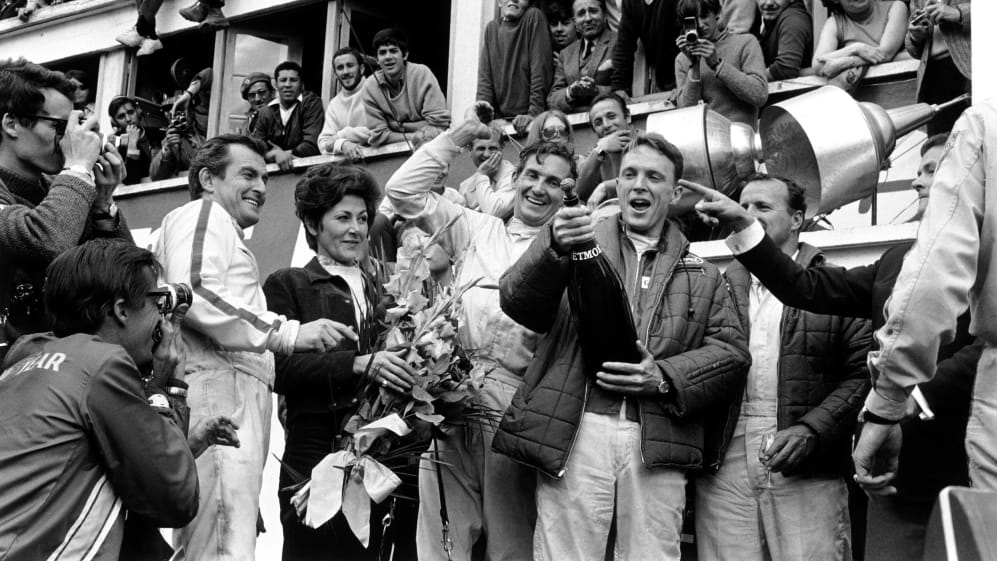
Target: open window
x=426 y=26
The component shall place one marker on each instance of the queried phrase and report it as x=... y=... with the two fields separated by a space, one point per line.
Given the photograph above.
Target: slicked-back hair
x=84 y=282
x=613 y=96
x=796 y=195
x=656 y=142
x=390 y=37
x=324 y=186
x=21 y=85
x=288 y=65
x=934 y=140
x=214 y=155
x=541 y=150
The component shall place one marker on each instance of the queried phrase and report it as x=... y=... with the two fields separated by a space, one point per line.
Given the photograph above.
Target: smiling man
x=345 y=130
x=291 y=123
x=402 y=97
x=486 y=493
x=621 y=445
x=229 y=338
x=585 y=67
x=610 y=120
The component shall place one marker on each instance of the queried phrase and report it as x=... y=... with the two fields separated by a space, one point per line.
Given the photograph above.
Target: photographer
x=725 y=70
x=84 y=441
x=179 y=146
x=41 y=217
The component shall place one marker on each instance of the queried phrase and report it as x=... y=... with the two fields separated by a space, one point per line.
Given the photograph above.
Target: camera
x=178 y=122
x=179 y=294
x=691 y=30
x=176 y=294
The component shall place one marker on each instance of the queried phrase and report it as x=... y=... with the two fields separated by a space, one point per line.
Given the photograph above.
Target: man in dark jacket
x=780 y=493
x=933 y=453
x=41 y=135
x=290 y=124
x=625 y=440
x=84 y=439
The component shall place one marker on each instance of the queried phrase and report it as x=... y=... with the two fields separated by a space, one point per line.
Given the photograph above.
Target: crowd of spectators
x=749 y=382
x=561 y=57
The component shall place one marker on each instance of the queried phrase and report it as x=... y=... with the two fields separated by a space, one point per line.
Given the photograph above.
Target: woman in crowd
x=335 y=203
x=553 y=126
x=859 y=34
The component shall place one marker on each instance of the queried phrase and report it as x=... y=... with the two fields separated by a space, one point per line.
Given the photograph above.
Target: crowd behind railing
x=735 y=424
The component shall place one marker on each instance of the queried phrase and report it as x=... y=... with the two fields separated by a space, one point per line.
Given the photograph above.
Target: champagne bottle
x=599 y=304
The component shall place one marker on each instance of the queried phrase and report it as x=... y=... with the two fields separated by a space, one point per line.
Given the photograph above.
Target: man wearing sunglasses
x=86 y=439
x=41 y=217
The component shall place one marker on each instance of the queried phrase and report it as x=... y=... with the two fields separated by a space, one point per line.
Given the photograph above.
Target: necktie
x=587 y=52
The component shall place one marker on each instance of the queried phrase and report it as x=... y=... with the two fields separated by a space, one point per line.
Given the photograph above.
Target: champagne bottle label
x=587 y=254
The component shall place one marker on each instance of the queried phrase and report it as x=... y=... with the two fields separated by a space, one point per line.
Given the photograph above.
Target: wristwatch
x=110 y=214
x=600 y=154
x=664 y=387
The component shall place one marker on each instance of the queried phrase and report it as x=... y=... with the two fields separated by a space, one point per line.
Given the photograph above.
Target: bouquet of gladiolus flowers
x=421 y=325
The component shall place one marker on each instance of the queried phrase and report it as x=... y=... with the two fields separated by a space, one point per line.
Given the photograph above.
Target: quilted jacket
x=823 y=378
x=689 y=324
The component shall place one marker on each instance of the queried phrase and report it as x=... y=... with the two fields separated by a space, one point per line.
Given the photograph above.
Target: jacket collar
x=671 y=247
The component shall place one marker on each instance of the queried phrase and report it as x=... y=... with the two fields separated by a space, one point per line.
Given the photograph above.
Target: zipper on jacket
x=574 y=437
x=647 y=333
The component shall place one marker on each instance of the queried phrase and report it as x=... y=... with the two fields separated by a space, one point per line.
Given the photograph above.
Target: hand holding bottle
x=572 y=225
x=637 y=379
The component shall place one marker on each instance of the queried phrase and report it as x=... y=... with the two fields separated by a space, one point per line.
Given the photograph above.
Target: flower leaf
x=422 y=395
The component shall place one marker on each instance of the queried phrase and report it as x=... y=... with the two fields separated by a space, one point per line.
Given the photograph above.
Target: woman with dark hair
x=335 y=204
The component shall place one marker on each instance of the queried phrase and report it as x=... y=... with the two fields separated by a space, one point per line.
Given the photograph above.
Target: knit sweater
x=788 y=44
x=516 y=67
x=420 y=99
x=345 y=119
x=736 y=89
x=38 y=221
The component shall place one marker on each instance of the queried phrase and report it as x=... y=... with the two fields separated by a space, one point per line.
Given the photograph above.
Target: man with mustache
x=486 y=493
x=291 y=123
x=257 y=89
x=619 y=447
x=229 y=337
x=345 y=130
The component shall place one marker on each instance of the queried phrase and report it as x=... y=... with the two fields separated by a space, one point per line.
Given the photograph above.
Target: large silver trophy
x=829 y=143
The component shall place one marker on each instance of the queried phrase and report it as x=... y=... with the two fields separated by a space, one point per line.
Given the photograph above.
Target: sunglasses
x=163 y=298
x=553 y=132
x=58 y=124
